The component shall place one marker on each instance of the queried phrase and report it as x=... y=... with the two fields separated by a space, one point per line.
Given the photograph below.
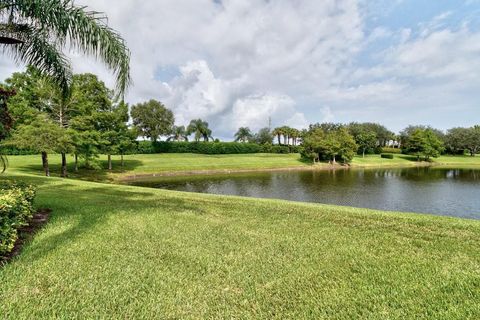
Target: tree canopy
x=152 y=119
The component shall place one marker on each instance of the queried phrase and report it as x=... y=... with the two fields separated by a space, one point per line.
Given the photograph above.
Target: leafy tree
x=179 y=133
x=36 y=31
x=42 y=136
x=382 y=134
x=424 y=142
x=329 y=143
x=243 y=134
x=152 y=119
x=199 y=129
x=295 y=134
x=263 y=136
x=279 y=132
x=406 y=133
x=459 y=139
x=5 y=121
x=366 y=140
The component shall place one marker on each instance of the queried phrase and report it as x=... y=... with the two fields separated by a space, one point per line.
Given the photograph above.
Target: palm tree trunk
x=45 y=164
x=76 y=162
x=109 y=161
x=278 y=137
x=64 y=165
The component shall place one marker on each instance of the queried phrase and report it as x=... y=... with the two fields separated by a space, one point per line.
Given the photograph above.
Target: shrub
x=391 y=150
x=147 y=147
x=387 y=155
x=15 y=211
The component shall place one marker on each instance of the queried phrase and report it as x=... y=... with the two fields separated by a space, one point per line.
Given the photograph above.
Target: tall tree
x=329 y=143
x=366 y=140
x=243 y=134
x=460 y=139
x=34 y=32
x=278 y=132
x=263 y=136
x=152 y=119
x=423 y=142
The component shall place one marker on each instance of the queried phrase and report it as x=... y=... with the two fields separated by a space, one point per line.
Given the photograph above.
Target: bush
x=148 y=147
x=391 y=150
x=387 y=155
x=15 y=211
x=14 y=151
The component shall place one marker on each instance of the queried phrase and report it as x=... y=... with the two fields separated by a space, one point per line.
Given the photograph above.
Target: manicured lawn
x=112 y=251
x=161 y=163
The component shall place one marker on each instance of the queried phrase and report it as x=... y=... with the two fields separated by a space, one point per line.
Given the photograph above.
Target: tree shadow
x=94 y=205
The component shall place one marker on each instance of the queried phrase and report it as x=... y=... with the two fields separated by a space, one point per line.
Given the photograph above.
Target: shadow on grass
x=83 y=173
x=88 y=207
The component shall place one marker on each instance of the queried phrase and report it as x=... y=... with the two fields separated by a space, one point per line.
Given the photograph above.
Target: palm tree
x=200 y=130
x=243 y=134
x=178 y=134
x=286 y=135
x=34 y=32
x=278 y=132
x=294 y=134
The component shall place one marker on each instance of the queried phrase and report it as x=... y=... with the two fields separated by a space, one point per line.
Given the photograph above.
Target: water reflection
x=452 y=192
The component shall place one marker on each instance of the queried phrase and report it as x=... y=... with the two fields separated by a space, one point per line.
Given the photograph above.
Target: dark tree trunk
x=121 y=157
x=76 y=162
x=45 y=164
x=64 y=165
x=109 y=162
x=278 y=137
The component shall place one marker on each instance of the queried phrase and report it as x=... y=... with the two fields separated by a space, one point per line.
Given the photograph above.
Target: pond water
x=453 y=192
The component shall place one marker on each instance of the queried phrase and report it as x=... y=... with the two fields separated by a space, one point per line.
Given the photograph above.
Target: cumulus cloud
x=239 y=63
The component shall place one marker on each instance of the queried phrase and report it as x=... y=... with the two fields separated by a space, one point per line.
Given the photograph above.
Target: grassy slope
x=127 y=252
x=157 y=163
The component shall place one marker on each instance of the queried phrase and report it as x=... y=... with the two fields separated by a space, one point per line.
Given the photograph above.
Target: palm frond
x=84 y=30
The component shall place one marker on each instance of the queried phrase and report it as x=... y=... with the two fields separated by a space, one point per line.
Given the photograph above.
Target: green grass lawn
x=178 y=163
x=112 y=251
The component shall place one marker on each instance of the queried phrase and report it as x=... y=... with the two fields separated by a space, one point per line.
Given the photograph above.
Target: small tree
x=243 y=134
x=42 y=136
x=199 y=129
x=263 y=136
x=424 y=142
x=152 y=119
x=366 y=140
x=179 y=133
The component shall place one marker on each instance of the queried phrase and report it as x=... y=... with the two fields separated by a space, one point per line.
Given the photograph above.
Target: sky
x=242 y=62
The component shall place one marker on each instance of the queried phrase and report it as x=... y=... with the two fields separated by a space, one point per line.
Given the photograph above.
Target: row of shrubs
x=16 y=209
x=147 y=147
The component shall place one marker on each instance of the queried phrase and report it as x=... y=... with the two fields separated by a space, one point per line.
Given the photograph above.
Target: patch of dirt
x=27 y=232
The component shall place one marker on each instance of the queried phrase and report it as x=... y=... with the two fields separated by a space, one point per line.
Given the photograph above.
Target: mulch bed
x=26 y=233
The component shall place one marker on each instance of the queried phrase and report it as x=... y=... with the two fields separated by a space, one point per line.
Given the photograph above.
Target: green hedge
x=387 y=155
x=16 y=210
x=148 y=147
x=391 y=150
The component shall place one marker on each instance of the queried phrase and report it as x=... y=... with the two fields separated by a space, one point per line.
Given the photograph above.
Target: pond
x=453 y=192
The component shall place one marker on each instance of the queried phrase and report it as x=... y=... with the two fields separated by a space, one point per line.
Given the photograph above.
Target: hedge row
x=16 y=210
x=211 y=147
x=391 y=150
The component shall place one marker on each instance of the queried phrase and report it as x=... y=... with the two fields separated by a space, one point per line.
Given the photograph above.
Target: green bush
x=15 y=211
x=387 y=155
x=147 y=147
x=391 y=150
x=13 y=151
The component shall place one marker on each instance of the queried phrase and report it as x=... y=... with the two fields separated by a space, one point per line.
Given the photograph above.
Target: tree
x=278 y=132
x=329 y=143
x=152 y=119
x=36 y=30
x=294 y=134
x=424 y=142
x=366 y=140
x=263 y=136
x=459 y=139
x=406 y=133
x=243 y=134
x=42 y=136
x=382 y=134
x=5 y=122
x=179 y=133
x=199 y=129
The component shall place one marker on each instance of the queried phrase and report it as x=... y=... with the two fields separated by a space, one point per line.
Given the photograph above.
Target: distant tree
x=460 y=139
x=366 y=140
x=152 y=119
x=199 y=129
x=424 y=142
x=6 y=121
x=34 y=33
x=263 y=136
x=382 y=134
x=329 y=143
x=243 y=134
x=278 y=132
x=42 y=136
x=294 y=134
x=406 y=133
x=179 y=133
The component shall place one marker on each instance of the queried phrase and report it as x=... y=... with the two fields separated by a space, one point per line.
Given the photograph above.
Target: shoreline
x=315 y=167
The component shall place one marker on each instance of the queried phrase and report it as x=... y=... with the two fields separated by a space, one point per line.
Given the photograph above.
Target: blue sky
x=238 y=63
